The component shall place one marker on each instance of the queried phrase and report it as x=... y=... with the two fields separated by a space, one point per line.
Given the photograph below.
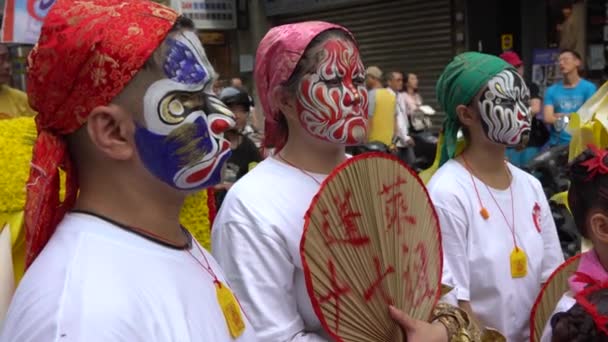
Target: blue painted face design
x=182 y=65
x=182 y=140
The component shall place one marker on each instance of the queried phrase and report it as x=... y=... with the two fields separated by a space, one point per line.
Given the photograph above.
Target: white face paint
x=504 y=108
x=182 y=142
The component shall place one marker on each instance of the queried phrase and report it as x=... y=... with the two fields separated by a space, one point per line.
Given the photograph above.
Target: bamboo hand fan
x=549 y=296
x=371 y=239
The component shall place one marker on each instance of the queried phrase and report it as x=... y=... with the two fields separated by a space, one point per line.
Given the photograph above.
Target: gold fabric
x=460 y=328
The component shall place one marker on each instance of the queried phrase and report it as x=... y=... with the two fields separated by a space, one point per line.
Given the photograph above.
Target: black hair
x=391 y=75
x=586 y=192
x=577 y=325
x=574 y=53
x=406 y=79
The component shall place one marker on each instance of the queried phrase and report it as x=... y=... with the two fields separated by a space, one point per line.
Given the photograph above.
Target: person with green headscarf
x=499 y=239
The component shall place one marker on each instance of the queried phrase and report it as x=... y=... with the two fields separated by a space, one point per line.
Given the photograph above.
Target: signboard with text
x=277 y=7
x=23 y=19
x=545 y=68
x=209 y=14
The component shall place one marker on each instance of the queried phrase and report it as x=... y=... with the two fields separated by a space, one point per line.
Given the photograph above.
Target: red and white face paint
x=332 y=100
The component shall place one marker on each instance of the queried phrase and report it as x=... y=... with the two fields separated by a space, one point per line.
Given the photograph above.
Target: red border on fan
x=542 y=292
x=309 y=286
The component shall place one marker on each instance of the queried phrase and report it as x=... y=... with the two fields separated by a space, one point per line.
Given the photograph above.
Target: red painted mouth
x=203 y=173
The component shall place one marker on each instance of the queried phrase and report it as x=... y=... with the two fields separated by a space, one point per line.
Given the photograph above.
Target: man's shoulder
x=447 y=184
x=559 y=85
x=588 y=85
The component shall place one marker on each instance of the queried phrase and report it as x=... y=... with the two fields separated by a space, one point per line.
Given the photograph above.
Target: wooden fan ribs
x=335 y=293
x=371 y=241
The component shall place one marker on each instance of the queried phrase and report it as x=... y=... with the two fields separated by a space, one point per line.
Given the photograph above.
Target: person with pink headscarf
x=311 y=83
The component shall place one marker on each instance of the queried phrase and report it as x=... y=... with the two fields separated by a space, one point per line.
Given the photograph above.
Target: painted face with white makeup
x=332 y=98
x=505 y=109
x=182 y=140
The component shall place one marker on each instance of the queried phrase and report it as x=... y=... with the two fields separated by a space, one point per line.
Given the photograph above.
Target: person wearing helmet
x=240 y=99
x=245 y=153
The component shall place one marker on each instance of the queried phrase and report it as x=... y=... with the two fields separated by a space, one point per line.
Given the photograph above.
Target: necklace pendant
x=484 y=213
x=231 y=310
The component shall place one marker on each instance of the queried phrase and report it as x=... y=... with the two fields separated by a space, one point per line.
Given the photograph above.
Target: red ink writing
x=335 y=293
x=377 y=284
x=348 y=218
x=396 y=209
x=423 y=279
x=420 y=289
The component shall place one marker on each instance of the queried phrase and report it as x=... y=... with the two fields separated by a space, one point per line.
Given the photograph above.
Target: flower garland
x=17 y=139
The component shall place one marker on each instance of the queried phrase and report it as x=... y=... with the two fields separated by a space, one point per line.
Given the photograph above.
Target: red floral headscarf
x=87 y=53
x=278 y=55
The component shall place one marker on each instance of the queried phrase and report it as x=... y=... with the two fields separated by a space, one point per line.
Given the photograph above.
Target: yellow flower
x=17 y=140
x=195 y=217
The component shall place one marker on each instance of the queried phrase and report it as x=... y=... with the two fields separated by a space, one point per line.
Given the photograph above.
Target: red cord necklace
x=228 y=303
x=206 y=267
x=518 y=256
x=295 y=167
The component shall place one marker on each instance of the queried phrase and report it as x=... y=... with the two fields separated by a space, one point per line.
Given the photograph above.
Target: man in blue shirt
x=566 y=97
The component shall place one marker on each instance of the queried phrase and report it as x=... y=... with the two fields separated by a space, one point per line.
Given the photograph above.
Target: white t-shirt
x=256 y=239
x=97 y=282
x=477 y=251
x=565 y=303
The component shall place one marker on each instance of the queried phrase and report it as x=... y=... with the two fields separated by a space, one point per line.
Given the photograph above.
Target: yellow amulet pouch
x=519 y=263
x=231 y=310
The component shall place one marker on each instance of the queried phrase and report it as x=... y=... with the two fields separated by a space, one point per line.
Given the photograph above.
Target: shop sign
x=278 y=7
x=23 y=19
x=209 y=14
x=506 y=41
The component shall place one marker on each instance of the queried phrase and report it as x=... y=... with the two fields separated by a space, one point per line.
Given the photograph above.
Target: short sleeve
x=591 y=89
x=260 y=271
x=456 y=259
x=550 y=96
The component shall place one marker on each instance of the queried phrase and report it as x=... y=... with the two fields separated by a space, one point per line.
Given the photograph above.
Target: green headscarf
x=461 y=80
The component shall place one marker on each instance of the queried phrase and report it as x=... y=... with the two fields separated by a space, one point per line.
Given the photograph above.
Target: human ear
x=598 y=224
x=286 y=102
x=111 y=130
x=466 y=116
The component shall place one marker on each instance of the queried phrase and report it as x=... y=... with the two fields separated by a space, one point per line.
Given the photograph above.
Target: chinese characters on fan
x=349 y=235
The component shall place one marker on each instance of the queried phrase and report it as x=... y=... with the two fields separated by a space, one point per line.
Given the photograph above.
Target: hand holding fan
x=371 y=239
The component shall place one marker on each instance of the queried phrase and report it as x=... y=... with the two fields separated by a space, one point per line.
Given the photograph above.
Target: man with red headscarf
x=128 y=120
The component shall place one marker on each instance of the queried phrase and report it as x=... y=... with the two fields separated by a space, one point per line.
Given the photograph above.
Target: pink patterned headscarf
x=277 y=56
